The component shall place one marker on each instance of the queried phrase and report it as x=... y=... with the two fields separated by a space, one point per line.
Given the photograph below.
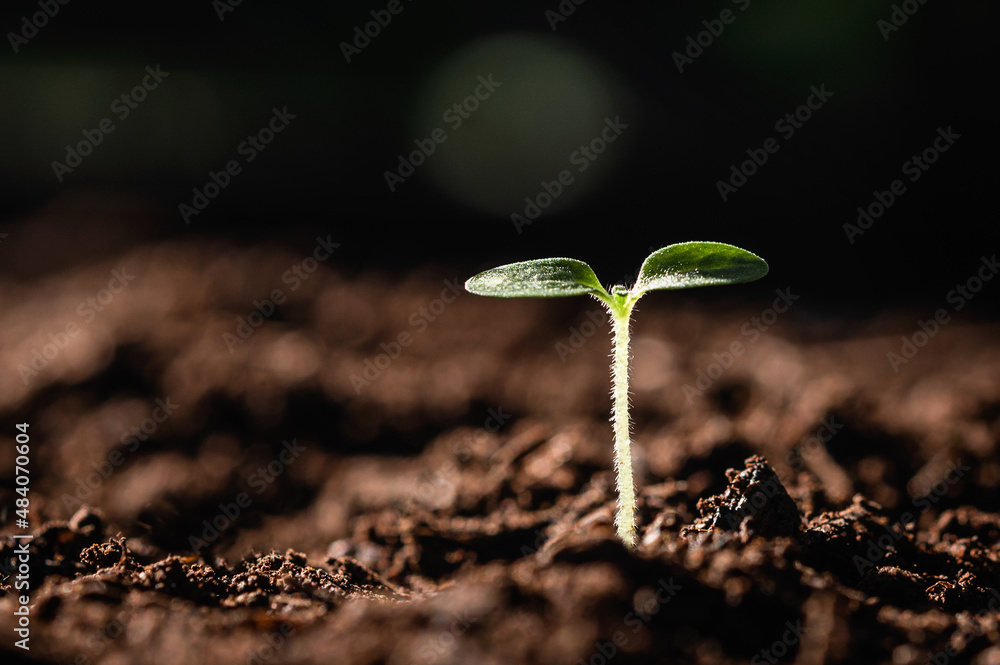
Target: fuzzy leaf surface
x=539 y=278
x=690 y=264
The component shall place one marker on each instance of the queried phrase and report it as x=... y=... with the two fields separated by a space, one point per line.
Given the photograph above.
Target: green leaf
x=540 y=278
x=688 y=264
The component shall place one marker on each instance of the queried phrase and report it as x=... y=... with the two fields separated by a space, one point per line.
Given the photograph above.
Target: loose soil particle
x=414 y=527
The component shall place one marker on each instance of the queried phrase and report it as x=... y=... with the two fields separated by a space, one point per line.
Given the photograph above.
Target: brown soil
x=456 y=506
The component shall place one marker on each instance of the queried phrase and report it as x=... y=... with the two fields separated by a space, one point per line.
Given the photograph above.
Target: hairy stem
x=625 y=516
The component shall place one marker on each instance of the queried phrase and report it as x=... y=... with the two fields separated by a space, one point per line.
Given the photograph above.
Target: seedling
x=679 y=266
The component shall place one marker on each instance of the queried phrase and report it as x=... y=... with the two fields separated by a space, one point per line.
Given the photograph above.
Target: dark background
x=653 y=186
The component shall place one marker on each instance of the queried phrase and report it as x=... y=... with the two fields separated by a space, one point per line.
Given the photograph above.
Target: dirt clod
x=458 y=507
x=755 y=503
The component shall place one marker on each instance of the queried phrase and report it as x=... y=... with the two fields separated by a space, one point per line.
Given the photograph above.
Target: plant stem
x=625 y=516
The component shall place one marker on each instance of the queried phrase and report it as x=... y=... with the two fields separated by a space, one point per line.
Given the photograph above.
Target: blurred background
x=218 y=152
x=498 y=101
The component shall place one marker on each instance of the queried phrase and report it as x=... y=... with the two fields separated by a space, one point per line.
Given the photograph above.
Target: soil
x=387 y=470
